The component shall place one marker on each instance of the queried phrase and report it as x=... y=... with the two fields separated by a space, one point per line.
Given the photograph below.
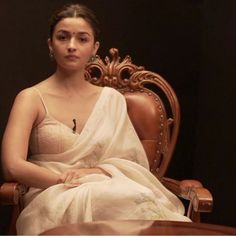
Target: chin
x=72 y=67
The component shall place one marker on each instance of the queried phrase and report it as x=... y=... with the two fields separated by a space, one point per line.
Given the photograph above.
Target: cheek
x=86 y=52
x=89 y=50
x=58 y=50
x=59 y=54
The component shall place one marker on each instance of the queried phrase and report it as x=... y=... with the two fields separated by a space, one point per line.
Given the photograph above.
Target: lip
x=72 y=57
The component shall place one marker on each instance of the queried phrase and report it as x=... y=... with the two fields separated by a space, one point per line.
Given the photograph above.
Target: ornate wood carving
x=114 y=72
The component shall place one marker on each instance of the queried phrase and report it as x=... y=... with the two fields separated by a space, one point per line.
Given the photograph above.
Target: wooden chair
x=155 y=113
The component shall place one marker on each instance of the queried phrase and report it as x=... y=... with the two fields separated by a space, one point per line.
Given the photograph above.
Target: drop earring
x=93 y=58
x=51 y=54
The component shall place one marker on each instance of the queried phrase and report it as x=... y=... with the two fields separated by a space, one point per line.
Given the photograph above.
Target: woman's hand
x=69 y=175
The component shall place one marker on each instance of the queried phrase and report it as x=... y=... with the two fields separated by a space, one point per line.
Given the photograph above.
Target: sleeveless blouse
x=50 y=136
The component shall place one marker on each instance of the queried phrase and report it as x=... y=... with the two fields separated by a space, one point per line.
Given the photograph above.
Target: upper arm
x=22 y=117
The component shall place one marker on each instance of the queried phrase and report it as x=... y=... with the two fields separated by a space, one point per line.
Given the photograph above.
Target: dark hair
x=75 y=10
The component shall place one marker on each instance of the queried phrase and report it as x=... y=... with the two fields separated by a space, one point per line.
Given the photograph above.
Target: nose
x=71 y=45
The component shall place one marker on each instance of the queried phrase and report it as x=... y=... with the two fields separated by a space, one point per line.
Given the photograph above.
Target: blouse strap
x=41 y=97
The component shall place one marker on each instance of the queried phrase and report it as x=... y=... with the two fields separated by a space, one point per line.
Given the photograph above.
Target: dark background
x=192 y=43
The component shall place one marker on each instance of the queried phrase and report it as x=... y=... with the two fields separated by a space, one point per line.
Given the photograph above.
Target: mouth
x=72 y=57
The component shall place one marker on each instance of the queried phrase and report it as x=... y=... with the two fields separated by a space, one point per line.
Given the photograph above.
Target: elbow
x=10 y=172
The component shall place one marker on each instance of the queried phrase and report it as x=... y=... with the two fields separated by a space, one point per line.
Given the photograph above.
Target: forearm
x=32 y=175
x=74 y=174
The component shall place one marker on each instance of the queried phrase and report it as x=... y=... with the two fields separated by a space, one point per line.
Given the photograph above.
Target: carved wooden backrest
x=151 y=102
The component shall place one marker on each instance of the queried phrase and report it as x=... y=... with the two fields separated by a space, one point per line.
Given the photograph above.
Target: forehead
x=75 y=25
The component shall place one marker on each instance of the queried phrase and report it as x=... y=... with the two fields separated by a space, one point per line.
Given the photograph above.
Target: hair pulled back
x=74 y=11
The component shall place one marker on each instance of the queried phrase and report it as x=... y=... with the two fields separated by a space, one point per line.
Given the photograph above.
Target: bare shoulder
x=27 y=99
x=28 y=94
x=94 y=91
x=44 y=85
x=115 y=93
x=32 y=93
x=25 y=107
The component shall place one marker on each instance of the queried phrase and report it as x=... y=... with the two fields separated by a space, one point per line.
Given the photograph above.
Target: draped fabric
x=109 y=141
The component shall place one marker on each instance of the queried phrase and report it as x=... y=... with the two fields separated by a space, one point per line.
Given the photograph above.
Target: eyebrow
x=68 y=32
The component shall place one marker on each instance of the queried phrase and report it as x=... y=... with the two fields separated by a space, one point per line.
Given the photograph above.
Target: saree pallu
x=108 y=141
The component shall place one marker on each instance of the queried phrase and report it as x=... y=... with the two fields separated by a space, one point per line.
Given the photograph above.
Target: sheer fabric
x=109 y=141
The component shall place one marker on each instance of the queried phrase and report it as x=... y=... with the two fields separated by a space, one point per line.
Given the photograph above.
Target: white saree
x=110 y=142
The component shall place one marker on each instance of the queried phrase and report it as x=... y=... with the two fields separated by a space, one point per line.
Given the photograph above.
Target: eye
x=62 y=37
x=83 y=39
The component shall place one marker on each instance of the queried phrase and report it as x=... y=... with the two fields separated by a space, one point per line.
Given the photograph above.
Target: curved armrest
x=192 y=190
x=10 y=193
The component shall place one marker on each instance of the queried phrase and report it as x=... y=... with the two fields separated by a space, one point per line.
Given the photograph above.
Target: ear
x=50 y=44
x=96 y=47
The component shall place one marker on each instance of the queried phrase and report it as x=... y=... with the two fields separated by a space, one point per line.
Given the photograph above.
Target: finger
x=68 y=177
x=62 y=178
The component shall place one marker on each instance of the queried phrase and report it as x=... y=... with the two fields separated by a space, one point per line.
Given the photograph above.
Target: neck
x=71 y=80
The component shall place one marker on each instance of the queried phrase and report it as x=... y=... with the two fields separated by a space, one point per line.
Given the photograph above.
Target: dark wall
x=172 y=37
x=214 y=159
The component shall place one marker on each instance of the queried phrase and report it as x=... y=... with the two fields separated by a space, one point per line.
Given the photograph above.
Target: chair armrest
x=192 y=190
x=11 y=192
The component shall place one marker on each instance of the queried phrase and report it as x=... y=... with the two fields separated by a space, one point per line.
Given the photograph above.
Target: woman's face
x=73 y=43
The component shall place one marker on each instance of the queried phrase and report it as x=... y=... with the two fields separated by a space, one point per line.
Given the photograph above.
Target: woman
x=86 y=161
